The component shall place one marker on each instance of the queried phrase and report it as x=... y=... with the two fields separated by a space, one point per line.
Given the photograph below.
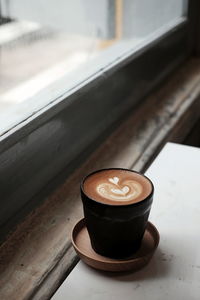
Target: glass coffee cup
x=116 y=204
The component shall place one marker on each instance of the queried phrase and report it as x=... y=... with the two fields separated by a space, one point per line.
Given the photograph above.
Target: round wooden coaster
x=82 y=245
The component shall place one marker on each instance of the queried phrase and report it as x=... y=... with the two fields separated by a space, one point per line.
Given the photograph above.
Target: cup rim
x=117 y=205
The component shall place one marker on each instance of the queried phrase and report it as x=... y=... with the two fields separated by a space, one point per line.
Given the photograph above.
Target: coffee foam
x=117 y=187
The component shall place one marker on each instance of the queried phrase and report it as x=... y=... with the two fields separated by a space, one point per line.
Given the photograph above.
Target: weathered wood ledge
x=38 y=254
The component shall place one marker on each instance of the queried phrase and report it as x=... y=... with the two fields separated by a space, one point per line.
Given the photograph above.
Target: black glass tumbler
x=116 y=231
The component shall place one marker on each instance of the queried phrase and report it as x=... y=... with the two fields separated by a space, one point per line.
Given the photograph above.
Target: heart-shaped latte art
x=114 y=180
x=119 y=190
x=122 y=191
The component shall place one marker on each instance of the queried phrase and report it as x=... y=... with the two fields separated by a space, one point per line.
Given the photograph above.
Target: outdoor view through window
x=48 y=47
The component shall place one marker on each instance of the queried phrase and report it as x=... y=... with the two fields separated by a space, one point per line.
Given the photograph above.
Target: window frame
x=41 y=151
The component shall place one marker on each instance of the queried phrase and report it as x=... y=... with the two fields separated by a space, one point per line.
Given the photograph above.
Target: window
x=48 y=48
x=69 y=71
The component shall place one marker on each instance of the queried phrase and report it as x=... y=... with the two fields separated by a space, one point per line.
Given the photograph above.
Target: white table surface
x=174 y=271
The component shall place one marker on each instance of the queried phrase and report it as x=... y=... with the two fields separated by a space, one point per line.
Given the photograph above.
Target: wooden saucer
x=82 y=245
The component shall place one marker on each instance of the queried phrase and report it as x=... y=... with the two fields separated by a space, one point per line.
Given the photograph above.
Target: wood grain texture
x=82 y=245
x=37 y=255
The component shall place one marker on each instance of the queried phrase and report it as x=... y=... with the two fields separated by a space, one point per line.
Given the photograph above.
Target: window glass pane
x=48 y=46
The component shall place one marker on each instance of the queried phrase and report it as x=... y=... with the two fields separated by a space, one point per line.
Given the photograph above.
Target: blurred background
x=47 y=47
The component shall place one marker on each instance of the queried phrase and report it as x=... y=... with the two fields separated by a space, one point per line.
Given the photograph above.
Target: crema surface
x=117 y=187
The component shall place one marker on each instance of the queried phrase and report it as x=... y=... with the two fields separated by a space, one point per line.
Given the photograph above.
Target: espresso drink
x=116 y=205
x=117 y=187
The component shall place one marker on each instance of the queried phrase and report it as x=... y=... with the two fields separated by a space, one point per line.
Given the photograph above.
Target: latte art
x=117 y=186
x=116 y=190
